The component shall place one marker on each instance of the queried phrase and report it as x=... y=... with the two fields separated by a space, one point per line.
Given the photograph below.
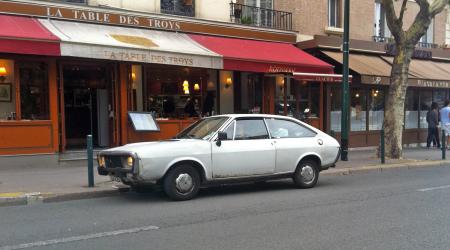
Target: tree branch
x=402 y=11
x=394 y=24
x=437 y=6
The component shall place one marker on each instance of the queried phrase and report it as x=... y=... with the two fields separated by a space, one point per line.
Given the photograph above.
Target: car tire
x=306 y=174
x=182 y=183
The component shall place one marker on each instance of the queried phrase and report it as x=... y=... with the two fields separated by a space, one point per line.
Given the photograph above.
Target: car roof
x=253 y=115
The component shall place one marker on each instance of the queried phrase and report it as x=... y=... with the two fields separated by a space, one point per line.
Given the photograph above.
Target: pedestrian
x=433 y=121
x=445 y=120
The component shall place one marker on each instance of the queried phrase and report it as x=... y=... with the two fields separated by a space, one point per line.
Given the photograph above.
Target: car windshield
x=203 y=129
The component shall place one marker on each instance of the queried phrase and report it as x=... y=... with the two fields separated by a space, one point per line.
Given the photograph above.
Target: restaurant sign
x=121 y=17
x=412 y=82
x=140 y=55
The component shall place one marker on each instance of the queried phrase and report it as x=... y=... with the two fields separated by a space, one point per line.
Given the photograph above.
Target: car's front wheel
x=306 y=174
x=182 y=183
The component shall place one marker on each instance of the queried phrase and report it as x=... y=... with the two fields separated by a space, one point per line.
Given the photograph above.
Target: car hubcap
x=307 y=174
x=184 y=183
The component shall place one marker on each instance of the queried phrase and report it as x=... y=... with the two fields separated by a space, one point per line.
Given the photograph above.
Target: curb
x=387 y=167
x=39 y=198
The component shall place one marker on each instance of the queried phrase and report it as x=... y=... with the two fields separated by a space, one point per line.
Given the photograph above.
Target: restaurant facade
x=370 y=65
x=69 y=71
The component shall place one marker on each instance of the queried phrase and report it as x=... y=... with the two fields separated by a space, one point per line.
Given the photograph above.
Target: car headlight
x=101 y=161
x=128 y=162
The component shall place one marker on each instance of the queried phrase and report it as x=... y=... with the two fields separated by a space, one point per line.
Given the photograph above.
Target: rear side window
x=250 y=129
x=280 y=128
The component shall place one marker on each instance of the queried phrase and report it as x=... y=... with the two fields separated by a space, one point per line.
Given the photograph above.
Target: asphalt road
x=395 y=209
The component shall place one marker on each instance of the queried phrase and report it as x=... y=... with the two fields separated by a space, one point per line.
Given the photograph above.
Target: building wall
x=217 y=10
x=311 y=18
x=447 y=28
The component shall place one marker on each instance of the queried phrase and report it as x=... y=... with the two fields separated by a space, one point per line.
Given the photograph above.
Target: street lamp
x=345 y=87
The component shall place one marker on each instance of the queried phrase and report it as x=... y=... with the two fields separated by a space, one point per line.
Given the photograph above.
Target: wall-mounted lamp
x=3 y=73
x=133 y=76
x=357 y=95
x=228 y=82
x=186 y=87
x=196 y=87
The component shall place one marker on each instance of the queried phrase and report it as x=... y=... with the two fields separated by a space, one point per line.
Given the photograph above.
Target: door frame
x=111 y=68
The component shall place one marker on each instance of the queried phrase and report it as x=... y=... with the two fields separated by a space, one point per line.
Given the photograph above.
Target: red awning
x=260 y=56
x=25 y=35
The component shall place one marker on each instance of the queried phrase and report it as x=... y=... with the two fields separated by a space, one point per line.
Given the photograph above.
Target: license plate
x=114 y=178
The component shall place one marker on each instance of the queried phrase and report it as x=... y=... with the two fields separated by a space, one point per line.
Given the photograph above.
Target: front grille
x=113 y=161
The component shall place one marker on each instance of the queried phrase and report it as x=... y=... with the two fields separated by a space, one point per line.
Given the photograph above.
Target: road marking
x=433 y=188
x=79 y=238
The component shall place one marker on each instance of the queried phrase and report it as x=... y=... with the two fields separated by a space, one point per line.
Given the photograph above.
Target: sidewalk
x=47 y=183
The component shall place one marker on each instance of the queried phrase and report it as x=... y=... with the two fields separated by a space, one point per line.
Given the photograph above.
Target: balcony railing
x=178 y=7
x=427 y=45
x=260 y=17
x=382 y=39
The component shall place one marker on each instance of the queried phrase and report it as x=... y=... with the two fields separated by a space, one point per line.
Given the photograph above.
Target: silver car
x=224 y=149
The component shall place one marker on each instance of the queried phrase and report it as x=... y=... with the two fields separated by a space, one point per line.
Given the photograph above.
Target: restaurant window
x=178 y=92
x=302 y=99
x=376 y=108
x=439 y=97
x=426 y=97
x=34 y=96
x=136 y=94
x=358 y=110
x=334 y=13
x=335 y=109
x=412 y=109
x=7 y=90
x=249 y=93
x=178 y=7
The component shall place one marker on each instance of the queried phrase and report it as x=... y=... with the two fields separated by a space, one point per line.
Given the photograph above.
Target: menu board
x=143 y=121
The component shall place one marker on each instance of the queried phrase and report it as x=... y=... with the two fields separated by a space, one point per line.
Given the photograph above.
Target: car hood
x=173 y=145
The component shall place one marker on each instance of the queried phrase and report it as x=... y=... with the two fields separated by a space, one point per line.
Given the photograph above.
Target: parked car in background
x=223 y=149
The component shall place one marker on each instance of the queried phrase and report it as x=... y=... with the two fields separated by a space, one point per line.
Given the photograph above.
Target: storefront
x=70 y=78
x=370 y=65
x=270 y=78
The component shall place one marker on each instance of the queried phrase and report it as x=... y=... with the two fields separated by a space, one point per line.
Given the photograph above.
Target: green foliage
x=246 y=20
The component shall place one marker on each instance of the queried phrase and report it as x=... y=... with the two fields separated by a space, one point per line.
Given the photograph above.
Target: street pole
x=90 y=159
x=345 y=87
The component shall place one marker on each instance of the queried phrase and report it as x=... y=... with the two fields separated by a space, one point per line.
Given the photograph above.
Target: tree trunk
x=395 y=103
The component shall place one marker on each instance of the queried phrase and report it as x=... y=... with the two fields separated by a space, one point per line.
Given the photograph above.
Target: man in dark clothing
x=433 y=121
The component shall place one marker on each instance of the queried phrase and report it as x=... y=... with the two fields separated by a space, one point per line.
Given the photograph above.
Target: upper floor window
x=380 y=29
x=427 y=38
x=334 y=13
x=178 y=7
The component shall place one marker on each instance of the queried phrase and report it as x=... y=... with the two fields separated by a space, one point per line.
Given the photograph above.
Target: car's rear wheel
x=306 y=174
x=182 y=183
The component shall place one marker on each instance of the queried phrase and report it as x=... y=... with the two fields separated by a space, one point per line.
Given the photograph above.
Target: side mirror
x=221 y=136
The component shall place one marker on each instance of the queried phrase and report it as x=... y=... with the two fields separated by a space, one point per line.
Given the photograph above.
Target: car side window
x=280 y=128
x=250 y=129
x=230 y=131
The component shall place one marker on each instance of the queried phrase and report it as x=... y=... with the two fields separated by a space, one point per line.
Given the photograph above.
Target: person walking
x=433 y=121
x=445 y=120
